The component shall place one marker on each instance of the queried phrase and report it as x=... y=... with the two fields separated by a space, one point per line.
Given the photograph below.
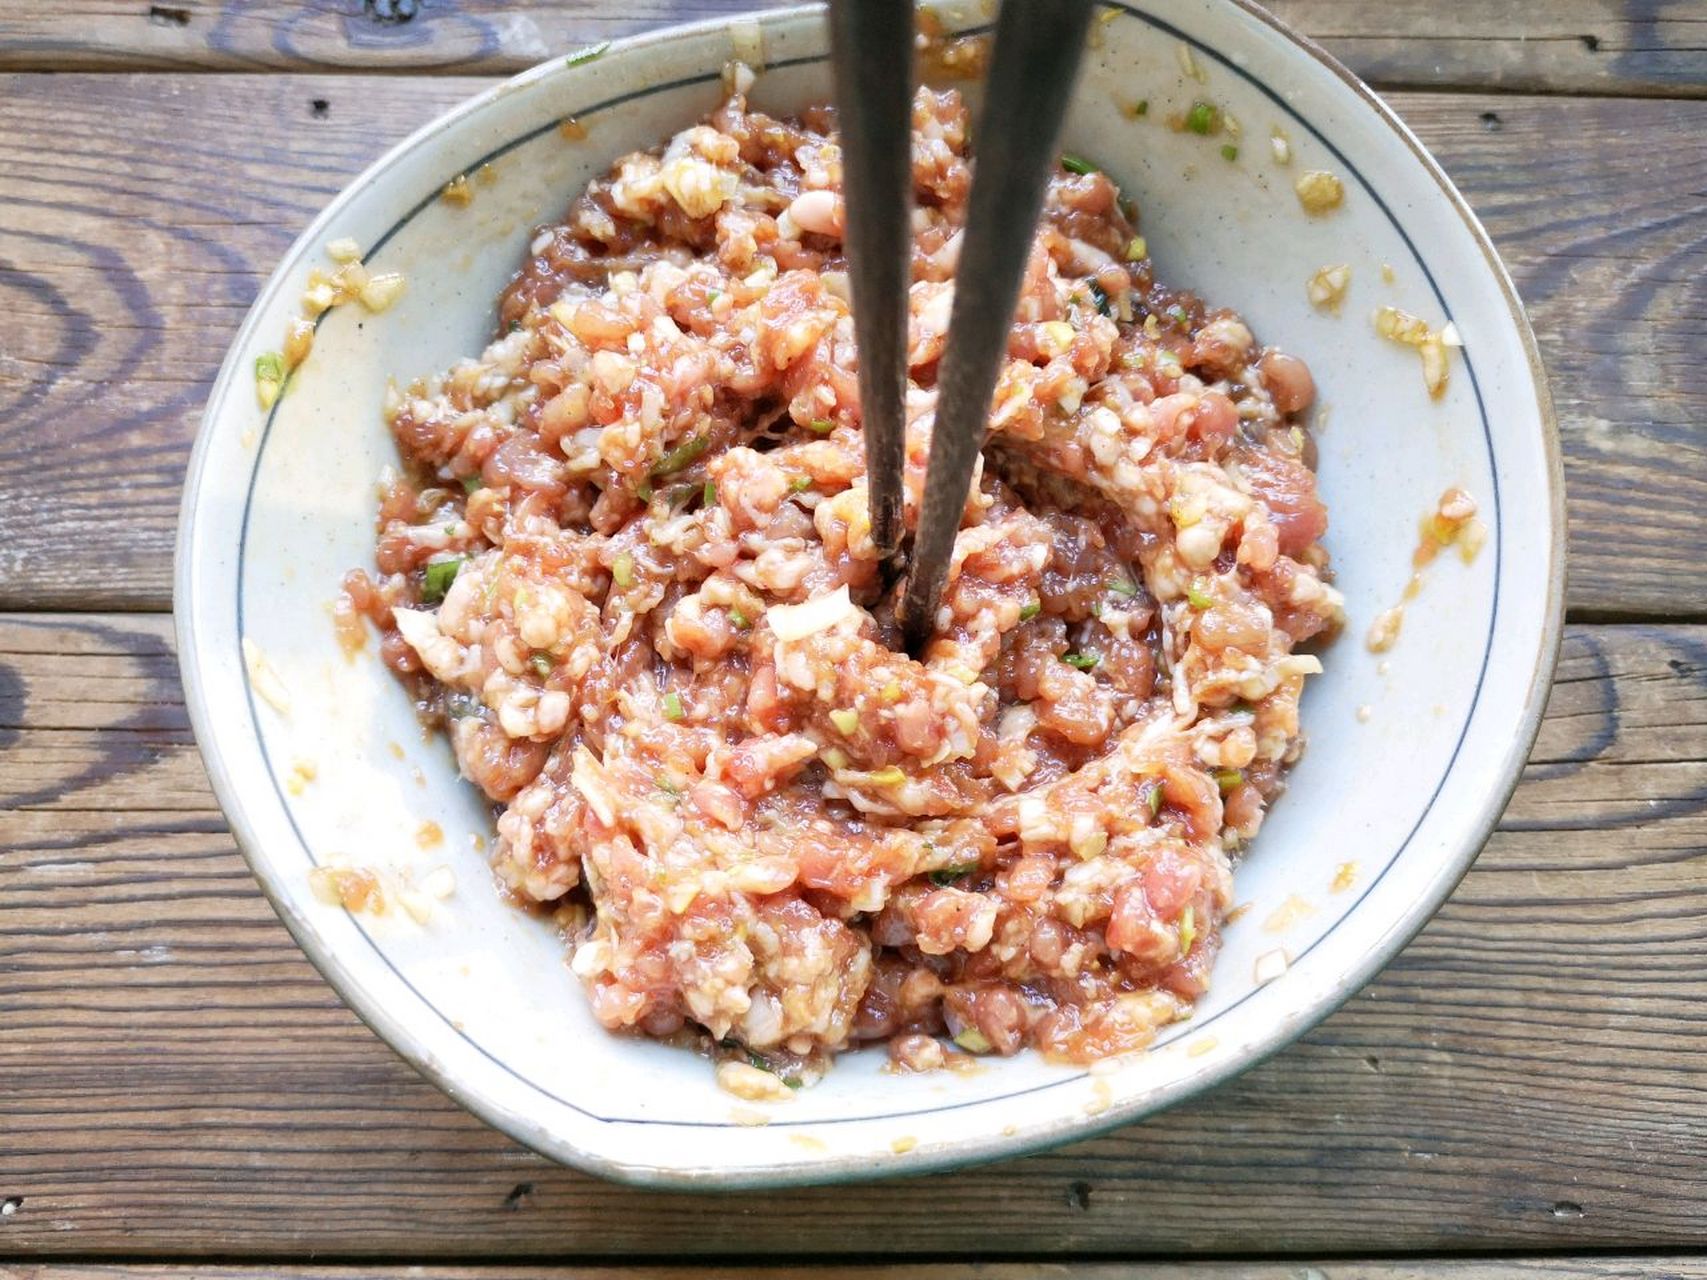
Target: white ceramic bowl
x=278 y=505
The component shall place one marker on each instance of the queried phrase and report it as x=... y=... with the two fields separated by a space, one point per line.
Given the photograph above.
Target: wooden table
x=177 y=1085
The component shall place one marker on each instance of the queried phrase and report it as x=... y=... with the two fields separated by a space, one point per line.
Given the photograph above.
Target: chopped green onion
x=836 y=758
x=1153 y=798
x=1227 y=779
x=889 y=777
x=269 y=377
x=1030 y=610
x=739 y=620
x=846 y=720
x=682 y=456
x=472 y=483
x=1229 y=152
x=800 y=484
x=667 y=786
x=948 y=875
x=459 y=706
x=1197 y=596
x=541 y=662
x=973 y=1040
x=622 y=570
x=709 y=496
x=1099 y=295
x=1204 y=118
x=1187 y=928
x=1128 y=207
x=712 y=295
x=890 y=692
x=1076 y=164
x=1122 y=587
x=792 y=1082
x=1083 y=661
x=587 y=54
x=1137 y=249
x=643 y=491
x=440 y=574
x=1180 y=317
x=823 y=426
x=1143 y=107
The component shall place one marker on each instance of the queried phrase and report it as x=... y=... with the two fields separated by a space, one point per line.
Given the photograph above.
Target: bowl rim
x=396 y=1033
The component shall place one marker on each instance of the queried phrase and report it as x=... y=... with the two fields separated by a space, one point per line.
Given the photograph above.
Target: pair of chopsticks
x=1038 y=48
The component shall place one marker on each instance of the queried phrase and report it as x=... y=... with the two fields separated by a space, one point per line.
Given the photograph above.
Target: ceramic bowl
x=1412 y=755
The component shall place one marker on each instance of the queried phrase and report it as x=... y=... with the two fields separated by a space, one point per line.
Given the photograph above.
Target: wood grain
x=1563 y=46
x=1658 y=1267
x=128 y=257
x=176 y=1081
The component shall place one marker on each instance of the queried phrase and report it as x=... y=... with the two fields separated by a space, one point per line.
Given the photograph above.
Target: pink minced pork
x=668 y=654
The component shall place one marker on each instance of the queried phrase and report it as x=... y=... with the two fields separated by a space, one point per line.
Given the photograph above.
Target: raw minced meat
x=627 y=565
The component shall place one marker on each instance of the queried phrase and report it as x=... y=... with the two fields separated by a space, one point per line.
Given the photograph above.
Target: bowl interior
x=280 y=505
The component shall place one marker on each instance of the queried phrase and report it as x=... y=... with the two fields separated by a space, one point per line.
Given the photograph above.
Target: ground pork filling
x=626 y=564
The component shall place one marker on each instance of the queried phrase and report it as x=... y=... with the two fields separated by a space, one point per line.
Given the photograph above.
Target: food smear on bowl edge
x=625 y=564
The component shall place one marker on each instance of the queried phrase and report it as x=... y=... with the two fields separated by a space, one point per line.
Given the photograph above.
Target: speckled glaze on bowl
x=479 y=998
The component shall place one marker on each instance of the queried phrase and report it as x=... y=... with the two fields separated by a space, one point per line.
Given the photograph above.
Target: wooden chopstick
x=871 y=45
x=1039 y=44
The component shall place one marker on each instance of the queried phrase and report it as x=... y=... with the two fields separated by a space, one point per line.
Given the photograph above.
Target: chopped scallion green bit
x=846 y=720
x=1227 y=779
x=673 y=706
x=587 y=54
x=1203 y=118
x=1143 y=107
x=890 y=692
x=836 y=758
x=682 y=456
x=1099 y=296
x=622 y=570
x=472 y=483
x=709 y=497
x=800 y=484
x=1229 y=152
x=1076 y=164
x=1154 y=799
x=1137 y=249
x=1030 y=610
x=889 y=777
x=643 y=491
x=739 y=620
x=823 y=426
x=1197 y=596
x=1122 y=587
x=1187 y=928
x=1083 y=661
x=973 y=1040
x=948 y=875
x=440 y=574
x=541 y=662
x=667 y=785
x=270 y=364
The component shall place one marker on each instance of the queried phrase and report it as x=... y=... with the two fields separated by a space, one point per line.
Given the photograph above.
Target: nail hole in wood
x=319 y=108
x=168 y=15
x=1591 y=43
x=10 y=1205
x=391 y=11
x=1567 y=1209
x=1079 y=1195
x=1491 y=121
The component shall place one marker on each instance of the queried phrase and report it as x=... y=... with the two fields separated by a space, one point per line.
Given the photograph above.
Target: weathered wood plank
x=1563 y=46
x=175 y=1080
x=128 y=256
x=1600 y=1267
